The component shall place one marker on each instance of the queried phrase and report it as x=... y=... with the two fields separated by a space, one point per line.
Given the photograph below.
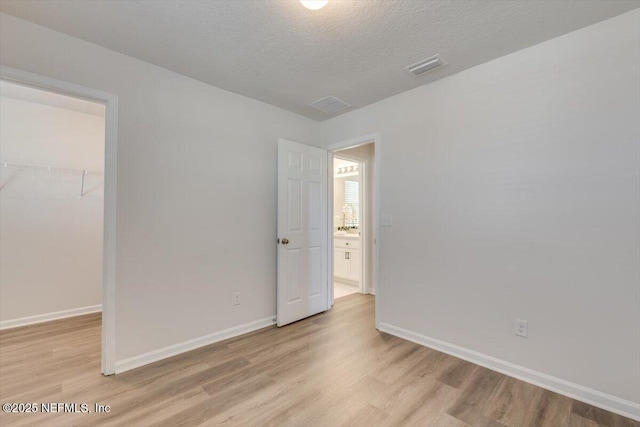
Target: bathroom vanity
x=347 y=258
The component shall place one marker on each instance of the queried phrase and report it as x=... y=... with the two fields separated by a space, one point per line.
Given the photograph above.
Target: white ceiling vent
x=426 y=65
x=329 y=104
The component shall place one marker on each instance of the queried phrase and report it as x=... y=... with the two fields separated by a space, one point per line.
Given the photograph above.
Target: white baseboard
x=346 y=281
x=172 y=350
x=47 y=317
x=371 y=291
x=575 y=391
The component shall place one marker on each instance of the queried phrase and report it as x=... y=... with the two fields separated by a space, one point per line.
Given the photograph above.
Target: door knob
x=285 y=241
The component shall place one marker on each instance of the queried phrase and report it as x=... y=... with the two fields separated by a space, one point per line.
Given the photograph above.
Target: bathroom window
x=352 y=203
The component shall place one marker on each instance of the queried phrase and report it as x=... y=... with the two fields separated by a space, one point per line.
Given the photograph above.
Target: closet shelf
x=47 y=168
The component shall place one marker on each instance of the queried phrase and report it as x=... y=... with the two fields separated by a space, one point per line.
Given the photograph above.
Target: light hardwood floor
x=334 y=369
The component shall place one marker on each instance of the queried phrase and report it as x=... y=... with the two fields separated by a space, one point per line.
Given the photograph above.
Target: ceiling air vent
x=329 y=104
x=426 y=65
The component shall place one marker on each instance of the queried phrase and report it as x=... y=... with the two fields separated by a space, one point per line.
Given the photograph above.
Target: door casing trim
x=110 y=101
x=375 y=139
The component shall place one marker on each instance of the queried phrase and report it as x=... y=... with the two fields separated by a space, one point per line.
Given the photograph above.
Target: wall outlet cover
x=386 y=220
x=522 y=328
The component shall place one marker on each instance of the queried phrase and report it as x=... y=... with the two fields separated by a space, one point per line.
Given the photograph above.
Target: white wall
x=514 y=188
x=196 y=205
x=50 y=238
x=338 y=199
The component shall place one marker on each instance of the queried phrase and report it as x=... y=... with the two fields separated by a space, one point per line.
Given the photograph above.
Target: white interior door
x=302 y=232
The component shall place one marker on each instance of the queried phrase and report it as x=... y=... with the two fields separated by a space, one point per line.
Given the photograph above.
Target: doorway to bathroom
x=352 y=224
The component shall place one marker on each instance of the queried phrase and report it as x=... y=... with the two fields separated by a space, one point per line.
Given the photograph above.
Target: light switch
x=387 y=220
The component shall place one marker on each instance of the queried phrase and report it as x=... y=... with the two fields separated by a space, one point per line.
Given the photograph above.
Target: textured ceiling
x=283 y=54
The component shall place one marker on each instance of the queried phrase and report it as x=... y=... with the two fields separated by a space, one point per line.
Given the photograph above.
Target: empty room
x=331 y=213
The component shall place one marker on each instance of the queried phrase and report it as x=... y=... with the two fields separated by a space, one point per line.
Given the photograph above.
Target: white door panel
x=302 y=232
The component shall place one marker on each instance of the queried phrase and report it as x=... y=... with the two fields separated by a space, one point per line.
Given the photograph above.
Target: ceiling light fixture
x=314 y=4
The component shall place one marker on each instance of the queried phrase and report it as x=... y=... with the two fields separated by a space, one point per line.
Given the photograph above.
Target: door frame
x=374 y=139
x=110 y=101
x=363 y=187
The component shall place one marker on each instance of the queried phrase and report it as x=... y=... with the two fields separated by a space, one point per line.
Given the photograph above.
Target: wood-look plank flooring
x=334 y=369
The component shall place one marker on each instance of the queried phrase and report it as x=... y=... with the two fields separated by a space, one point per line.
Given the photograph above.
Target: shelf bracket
x=84 y=172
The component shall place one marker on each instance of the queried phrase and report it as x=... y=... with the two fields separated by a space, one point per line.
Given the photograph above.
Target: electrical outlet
x=386 y=220
x=522 y=328
x=236 y=298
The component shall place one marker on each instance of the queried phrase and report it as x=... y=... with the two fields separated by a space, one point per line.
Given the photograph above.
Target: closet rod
x=47 y=168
